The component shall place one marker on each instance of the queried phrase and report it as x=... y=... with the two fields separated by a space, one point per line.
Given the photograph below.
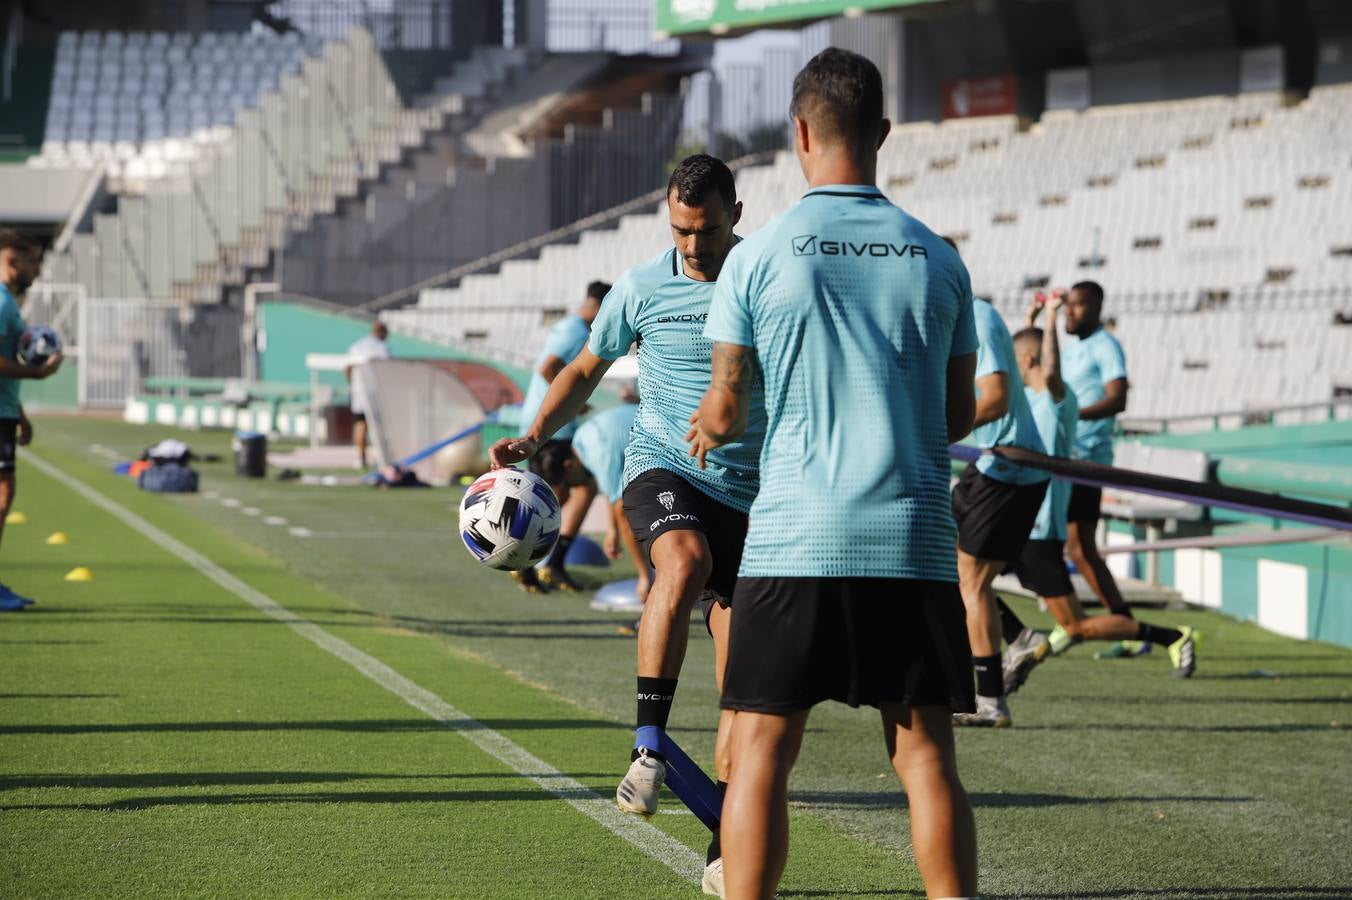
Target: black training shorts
x=1041 y=568
x=1084 y=504
x=993 y=517
x=9 y=443
x=659 y=501
x=863 y=641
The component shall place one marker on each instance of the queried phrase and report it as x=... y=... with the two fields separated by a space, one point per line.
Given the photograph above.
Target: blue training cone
x=585 y=552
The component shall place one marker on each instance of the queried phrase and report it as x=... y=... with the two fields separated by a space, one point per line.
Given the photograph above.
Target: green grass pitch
x=160 y=736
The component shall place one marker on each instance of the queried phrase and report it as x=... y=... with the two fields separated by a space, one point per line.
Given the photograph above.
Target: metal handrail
x=550 y=237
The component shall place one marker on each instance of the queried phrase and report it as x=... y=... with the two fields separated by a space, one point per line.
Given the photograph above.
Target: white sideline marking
x=655 y=843
x=230 y=503
x=298 y=531
x=274 y=520
x=212 y=495
x=250 y=510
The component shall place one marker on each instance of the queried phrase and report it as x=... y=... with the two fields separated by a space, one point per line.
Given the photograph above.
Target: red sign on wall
x=993 y=95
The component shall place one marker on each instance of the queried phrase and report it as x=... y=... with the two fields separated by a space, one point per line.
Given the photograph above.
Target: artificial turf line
x=652 y=841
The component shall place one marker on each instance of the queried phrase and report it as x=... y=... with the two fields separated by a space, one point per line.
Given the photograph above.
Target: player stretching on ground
x=995 y=504
x=690 y=519
x=1040 y=567
x=20 y=261
x=565 y=339
x=1095 y=370
x=860 y=319
x=596 y=455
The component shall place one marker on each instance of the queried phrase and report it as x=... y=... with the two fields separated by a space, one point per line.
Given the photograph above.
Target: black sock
x=1155 y=634
x=715 y=844
x=560 y=552
x=1010 y=626
x=654 y=701
x=990 y=677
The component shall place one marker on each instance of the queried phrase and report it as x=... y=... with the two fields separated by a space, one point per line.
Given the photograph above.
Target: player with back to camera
x=858 y=318
x=689 y=518
x=596 y=454
x=20 y=263
x=1094 y=368
x=1041 y=567
x=565 y=340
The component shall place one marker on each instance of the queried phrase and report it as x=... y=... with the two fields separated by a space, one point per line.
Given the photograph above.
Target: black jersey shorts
x=862 y=641
x=1041 y=568
x=994 y=518
x=659 y=501
x=1085 y=502
x=9 y=444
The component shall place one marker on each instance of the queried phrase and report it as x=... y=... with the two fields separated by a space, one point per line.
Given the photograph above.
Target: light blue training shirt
x=1056 y=427
x=1016 y=427
x=565 y=340
x=656 y=304
x=600 y=441
x=1087 y=364
x=12 y=326
x=854 y=309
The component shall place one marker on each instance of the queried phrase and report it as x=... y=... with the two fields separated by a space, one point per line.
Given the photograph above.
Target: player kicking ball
x=690 y=519
x=1040 y=566
x=848 y=584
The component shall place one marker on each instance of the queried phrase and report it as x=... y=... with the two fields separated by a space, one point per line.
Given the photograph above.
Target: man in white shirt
x=371 y=347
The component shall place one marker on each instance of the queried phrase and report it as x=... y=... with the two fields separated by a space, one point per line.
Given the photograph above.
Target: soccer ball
x=509 y=519
x=37 y=344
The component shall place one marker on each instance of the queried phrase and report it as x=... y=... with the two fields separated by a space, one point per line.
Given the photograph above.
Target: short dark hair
x=1029 y=338
x=695 y=176
x=840 y=94
x=1092 y=288
x=10 y=239
x=550 y=461
x=597 y=290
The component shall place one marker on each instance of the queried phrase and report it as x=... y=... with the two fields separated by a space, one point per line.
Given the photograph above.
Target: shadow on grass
x=58 y=696
x=1279 y=728
x=341 y=725
x=133 y=804
x=1192 y=893
x=1194 y=701
x=844 y=800
x=202 y=779
x=886 y=892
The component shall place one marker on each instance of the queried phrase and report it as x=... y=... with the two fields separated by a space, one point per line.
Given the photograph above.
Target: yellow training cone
x=16 y=518
x=58 y=539
x=80 y=574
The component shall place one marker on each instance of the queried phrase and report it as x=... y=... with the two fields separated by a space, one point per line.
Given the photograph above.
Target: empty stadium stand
x=207 y=192
x=1218 y=226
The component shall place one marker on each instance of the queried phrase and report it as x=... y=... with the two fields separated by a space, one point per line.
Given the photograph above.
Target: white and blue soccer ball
x=509 y=519
x=37 y=344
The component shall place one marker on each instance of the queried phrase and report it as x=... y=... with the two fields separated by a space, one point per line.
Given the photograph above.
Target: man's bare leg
x=983 y=632
x=1083 y=551
x=682 y=561
x=943 y=830
x=359 y=438
x=8 y=488
x=554 y=573
x=756 y=813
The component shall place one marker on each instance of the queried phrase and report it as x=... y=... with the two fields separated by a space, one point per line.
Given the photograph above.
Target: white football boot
x=642 y=784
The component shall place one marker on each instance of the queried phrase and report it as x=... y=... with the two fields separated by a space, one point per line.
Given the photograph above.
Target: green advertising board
x=723 y=16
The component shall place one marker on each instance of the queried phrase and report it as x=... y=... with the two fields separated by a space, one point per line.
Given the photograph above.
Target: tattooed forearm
x=734 y=368
x=722 y=415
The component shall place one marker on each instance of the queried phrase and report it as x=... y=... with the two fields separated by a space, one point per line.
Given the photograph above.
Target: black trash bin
x=251 y=454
